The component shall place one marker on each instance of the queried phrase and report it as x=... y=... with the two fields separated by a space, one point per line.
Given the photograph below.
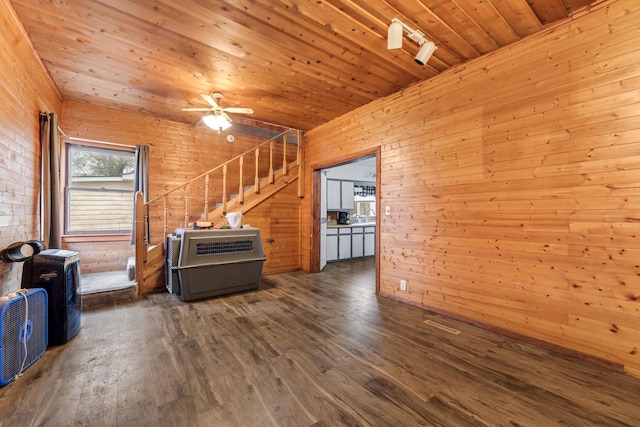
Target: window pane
x=99 y=211
x=101 y=168
x=99 y=193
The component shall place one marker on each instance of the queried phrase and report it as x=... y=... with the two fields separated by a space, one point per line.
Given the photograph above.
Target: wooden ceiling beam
x=548 y=11
x=520 y=16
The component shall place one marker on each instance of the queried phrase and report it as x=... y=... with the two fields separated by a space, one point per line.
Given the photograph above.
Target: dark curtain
x=50 y=203
x=141 y=184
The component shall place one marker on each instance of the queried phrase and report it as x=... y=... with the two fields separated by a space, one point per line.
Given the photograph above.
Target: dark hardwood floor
x=307 y=350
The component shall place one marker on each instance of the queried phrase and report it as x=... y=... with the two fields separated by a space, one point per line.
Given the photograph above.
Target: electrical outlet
x=403 y=285
x=387 y=210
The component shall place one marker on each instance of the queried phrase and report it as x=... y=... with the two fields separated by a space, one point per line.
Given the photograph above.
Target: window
x=99 y=191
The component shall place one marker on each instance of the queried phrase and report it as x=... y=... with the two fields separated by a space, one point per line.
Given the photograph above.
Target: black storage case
x=57 y=271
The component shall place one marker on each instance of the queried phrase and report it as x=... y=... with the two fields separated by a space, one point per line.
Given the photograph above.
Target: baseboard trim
x=618 y=367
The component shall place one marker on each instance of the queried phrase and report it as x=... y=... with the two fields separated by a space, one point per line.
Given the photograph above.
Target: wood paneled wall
x=178 y=153
x=25 y=90
x=278 y=219
x=102 y=256
x=514 y=186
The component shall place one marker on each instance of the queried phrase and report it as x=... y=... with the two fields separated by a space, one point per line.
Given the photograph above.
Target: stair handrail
x=142 y=238
x=221 y=165
x=205 y=175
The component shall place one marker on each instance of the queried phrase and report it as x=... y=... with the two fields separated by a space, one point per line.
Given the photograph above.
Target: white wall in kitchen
x=360 y=171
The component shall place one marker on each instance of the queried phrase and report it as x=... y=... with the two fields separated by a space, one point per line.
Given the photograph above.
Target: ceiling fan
x=216 y=115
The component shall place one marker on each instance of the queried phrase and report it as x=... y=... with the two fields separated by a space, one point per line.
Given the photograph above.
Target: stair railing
x=238 y=160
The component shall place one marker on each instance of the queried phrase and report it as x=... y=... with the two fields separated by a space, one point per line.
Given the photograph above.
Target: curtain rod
x=94 y=141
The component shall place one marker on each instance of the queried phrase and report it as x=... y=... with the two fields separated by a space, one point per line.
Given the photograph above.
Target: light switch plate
x=387 y=210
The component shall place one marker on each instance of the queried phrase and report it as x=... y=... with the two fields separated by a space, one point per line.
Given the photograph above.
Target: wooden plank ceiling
x=296 y=63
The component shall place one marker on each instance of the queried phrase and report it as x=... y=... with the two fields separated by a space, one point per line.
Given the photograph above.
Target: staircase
x=281 y=164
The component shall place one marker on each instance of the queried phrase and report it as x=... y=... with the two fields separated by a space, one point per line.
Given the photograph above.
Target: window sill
x=72 y=238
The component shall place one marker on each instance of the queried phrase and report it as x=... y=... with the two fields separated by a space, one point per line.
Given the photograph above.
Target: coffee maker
x=343 y=218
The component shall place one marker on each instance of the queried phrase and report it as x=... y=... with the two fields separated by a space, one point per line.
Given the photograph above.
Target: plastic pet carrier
x=23 y=331
x=172 y=251
x=206 y=263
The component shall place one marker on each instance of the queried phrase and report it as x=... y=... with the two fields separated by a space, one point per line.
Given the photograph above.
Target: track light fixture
x=217 y=121
x=394 y=40
x=425 y=52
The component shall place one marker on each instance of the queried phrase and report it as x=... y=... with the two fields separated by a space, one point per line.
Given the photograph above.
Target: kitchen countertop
x=355 y=224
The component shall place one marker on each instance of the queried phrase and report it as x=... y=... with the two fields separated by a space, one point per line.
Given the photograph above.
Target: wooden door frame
x=316 y=170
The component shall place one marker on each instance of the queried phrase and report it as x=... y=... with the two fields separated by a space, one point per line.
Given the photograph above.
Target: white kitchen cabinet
x=346 y=198
x=357 y=242
x=340 y=195
x=369 y=241
x=334 y=198
x=350 y=242
x=332 y=244
x=344 y=243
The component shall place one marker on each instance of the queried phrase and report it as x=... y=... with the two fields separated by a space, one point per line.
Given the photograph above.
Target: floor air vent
x=442 y=327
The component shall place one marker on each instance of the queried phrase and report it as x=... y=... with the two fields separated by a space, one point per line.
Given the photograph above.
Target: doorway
x=345 y=216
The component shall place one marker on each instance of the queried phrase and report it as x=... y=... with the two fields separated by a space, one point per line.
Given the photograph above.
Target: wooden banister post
x=206 y=196
x=241 y=185
x=140 y=246
x=284 y=154
x=164 y=217
x=300 y=160
x=186 y=207
x=271 y=162
x=256 y=186
x=224 y=189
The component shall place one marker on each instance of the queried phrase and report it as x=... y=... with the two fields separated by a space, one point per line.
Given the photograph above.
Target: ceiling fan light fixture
x=216 y=121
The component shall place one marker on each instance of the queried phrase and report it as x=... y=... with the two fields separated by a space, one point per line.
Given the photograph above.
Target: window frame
x=68 y=189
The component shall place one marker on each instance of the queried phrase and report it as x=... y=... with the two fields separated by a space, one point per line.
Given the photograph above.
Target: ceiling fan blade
x=197 y=109
x=209 y=99
x=226 y=117
x=238 y=110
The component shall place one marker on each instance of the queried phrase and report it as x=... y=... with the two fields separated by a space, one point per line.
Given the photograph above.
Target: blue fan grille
x=12 y=329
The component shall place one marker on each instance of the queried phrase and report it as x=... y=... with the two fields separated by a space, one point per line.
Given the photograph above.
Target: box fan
x=23 y=331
